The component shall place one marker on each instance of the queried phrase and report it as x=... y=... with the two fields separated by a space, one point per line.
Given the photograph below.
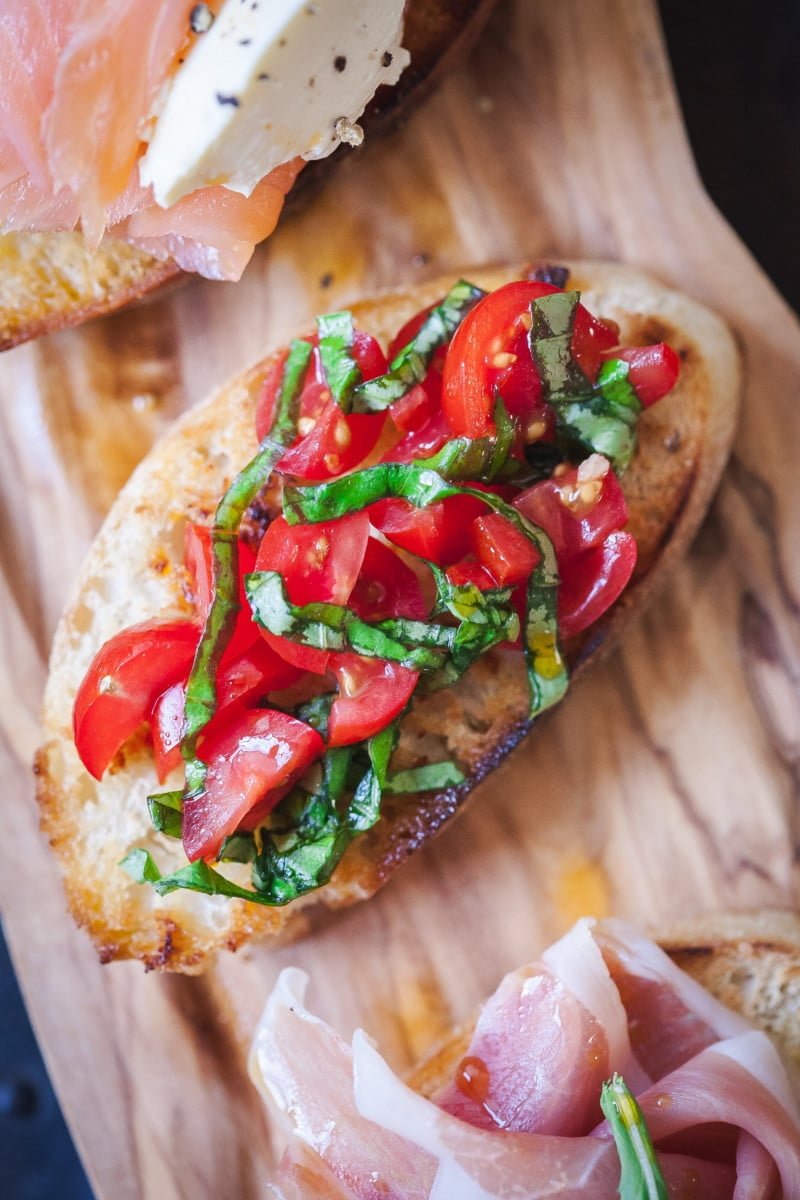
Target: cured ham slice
x=670 y=1016
x=306 y=1070
x=553 y=1033
x=723 y=1121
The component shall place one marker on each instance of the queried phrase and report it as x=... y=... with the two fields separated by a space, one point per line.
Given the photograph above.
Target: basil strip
x=336 y=334
x=333 y=627
x=641 y=1177
x=410 y=366
x=201 y=689
x=196 y=877
x=419 y=484
x=166 y=811
x=432 y=777
x=599 y=417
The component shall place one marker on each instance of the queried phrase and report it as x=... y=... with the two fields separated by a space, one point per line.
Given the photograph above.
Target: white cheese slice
x=270 y=80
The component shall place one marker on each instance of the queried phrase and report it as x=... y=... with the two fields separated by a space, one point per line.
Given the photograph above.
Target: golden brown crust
x=750 y=961
x=51 y=281
x=683 y=445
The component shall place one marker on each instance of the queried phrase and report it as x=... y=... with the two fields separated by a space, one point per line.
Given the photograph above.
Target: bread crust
x=51 y=281
x=132 y=573
x=750 y=961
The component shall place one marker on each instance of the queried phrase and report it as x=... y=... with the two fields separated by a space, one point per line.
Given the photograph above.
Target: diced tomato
x=197 y=560
x=468 y=571
x=386 y=587
x=490 y=351
x=255 y=752
x=439 y=532
x=576 y=509
x=336 y=444
x=503 y=549
x=124 y=680
x=412 y=411
x=372 y=692
x=315 y=394
x=423 y=442
x=258 y=671
x=166 y=724
x=317 y=562
x=593 y=580
x=653 y=370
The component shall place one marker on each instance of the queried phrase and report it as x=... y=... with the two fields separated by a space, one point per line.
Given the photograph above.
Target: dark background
x=735 y=66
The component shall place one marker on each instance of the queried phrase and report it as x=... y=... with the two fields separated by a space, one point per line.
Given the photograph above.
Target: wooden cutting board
x=667 y=783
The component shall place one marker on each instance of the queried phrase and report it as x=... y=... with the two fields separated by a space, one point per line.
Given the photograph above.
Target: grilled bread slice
x=750 y=961
x=133 y=573
x=49 y=281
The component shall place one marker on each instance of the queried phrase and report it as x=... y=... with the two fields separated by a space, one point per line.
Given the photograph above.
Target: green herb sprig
x=641 y=1177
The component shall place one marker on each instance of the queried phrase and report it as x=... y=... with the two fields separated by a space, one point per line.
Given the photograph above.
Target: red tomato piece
x=372 y=692
x=505 y=551
x=439 y=532
x=478 y=352
x=422 y=442
x=259 y=671
x=653 y=370
x=337 y=443
x=386 y=587
x=255 y=752
x=575 y=512
x=197 y=560
x=593 y=581
x=125 y=678
x=412 y=411
x=490 y=351
x=315 y=394
x=317 y=562
x=468 y=571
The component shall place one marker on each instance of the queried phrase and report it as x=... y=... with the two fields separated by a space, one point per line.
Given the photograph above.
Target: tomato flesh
x=468 y=571
x=255 y=752
x=386 y=587
x=124 y=680
x=372 y=692
x=258 y=671
x=315 y=394
x=653 y=371
x=593 y=581
x=439 y=532
x=336 y=444
x=503 y=549
x=576 y=514
x=198 y=563
x=317 y=562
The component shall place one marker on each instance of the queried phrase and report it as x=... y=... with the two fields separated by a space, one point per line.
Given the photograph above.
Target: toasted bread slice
x=750 y=961
x=133 y=573
x=50 y=281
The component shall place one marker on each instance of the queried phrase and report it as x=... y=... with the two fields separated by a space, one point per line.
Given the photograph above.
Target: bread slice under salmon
x=750 y=961
x=49 y=281
x=133 y=573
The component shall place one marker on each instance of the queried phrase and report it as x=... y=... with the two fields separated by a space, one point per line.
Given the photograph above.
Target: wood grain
x=665 y=786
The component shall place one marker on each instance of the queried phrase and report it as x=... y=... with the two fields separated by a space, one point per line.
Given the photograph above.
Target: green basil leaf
x=341 y=371
x=410 y=366
x=166 y=811
x=239 y=847
x=641 y=1177
x=433 y=777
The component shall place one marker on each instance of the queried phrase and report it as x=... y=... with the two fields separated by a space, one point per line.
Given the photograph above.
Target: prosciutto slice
x=723 y=1120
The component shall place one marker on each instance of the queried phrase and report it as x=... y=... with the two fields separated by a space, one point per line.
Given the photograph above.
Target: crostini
x=331 y=600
